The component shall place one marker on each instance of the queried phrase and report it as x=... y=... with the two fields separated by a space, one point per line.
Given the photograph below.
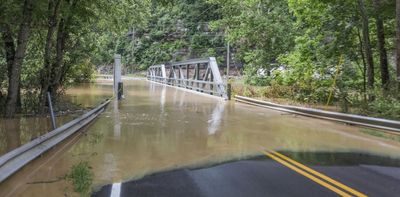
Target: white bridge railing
x=201 y=75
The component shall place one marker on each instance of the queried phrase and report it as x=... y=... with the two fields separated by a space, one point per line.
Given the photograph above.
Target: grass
x=81 y=176
x=381 y=134
x=95 y=138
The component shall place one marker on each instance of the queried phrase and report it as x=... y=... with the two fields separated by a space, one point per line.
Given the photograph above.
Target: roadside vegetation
x=380 y=107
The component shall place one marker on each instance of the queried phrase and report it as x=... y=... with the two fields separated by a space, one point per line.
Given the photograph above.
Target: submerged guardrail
x=377 y=123
x=14 y=160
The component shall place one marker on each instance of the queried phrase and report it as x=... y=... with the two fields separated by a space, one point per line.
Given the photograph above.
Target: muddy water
x=158 y=128
x=18 y=131
x=89 y=94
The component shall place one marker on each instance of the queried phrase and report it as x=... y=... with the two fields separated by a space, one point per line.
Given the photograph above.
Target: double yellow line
x=315 y=176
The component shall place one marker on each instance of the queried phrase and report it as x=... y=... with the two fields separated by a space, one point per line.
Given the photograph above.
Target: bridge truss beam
x=201 y=75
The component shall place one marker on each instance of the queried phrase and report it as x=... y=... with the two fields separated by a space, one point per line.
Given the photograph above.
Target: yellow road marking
x=313 y=178
x=326 y=178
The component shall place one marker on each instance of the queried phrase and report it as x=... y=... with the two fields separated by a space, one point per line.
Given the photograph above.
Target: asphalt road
x=264 y=177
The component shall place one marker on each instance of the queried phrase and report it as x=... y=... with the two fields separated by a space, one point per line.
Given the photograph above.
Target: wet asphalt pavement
x=262 y=177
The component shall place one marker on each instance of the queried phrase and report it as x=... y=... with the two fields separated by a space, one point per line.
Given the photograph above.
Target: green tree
x=260 y=31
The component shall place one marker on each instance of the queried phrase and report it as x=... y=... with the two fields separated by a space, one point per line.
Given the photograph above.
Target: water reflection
x=89 y=94
x=12 y=130
x=152 y=88
x=18 y=131
x=182 y=99
x=162 y=99
x=117 y=120
x=174 y=98
x=216 y=117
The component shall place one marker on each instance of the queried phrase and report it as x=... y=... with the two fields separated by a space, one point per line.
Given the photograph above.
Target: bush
x=384 y=108
x=258 y=81
x=82 y=73
x=81 y=177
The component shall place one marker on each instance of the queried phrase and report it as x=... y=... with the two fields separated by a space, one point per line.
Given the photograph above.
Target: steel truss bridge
x=200 y=75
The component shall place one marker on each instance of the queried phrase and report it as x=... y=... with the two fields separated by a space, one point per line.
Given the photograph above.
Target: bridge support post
x=229 y=91
x=118 y=85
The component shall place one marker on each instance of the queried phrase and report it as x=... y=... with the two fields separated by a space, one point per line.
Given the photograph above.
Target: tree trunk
x=367 y=45
x=364 y=71
x=53 y=10
x=381 y=46
x=18 y=107
x=57 y=68
x=398 y=42
x=15 y=74
x=9 y=48
x=62 y=37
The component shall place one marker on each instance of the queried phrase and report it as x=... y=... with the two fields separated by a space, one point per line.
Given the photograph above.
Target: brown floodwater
x=157 y=128
x=20 y=130
x=90 y=94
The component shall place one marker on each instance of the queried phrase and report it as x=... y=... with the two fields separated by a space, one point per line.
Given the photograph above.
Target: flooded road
x=20 y=130
x=158 y=128
x=89 y=95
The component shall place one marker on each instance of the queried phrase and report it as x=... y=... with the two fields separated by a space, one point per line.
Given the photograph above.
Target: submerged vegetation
x=380 y=134
x=81 y=177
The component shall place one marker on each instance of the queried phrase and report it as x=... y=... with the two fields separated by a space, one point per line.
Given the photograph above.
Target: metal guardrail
x=105 y=76
x=200 y=75
x=377 y=123
x=14 y=160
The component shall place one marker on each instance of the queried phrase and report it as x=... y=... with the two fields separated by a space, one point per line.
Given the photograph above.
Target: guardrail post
x=53 y=119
